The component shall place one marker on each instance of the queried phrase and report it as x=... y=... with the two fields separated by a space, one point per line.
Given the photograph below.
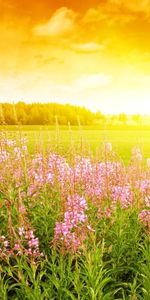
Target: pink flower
x=16 y=247
x=144 y=216
x=6 y=243
x=22 y=209
x=21 y=231
x=34 y=242
x=108 y=213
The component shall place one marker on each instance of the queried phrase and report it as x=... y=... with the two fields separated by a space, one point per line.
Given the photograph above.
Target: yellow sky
x=92 y=53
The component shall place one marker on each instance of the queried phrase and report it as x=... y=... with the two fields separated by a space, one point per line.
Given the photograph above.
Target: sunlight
x=59 y=54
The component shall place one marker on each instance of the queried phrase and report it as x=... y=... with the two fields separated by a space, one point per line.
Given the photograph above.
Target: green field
x=88 y=139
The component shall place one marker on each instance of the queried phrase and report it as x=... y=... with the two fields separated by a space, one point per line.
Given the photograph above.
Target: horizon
x=94 y=54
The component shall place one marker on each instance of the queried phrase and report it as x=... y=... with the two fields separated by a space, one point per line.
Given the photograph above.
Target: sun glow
x=96 y=54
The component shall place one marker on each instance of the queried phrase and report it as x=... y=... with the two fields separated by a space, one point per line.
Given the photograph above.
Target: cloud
x=133 y=5
x=93 y=80
x=87 y=47
x=92 y=15
x=116 y=12
x=47 y=60
x=61 y=23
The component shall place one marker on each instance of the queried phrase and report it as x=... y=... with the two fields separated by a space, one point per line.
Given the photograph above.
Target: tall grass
x=73 y=229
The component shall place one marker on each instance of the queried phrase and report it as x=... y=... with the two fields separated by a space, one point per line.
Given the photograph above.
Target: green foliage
x=44 y=114
x=113 y=264
x=43 y=217
x=124 y=238
x=145 y=270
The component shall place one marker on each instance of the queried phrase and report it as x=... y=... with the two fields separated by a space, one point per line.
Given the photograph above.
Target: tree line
x=49 y=113
x=45 y=114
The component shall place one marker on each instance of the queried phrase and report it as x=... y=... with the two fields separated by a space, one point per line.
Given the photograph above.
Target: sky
x=90 y=53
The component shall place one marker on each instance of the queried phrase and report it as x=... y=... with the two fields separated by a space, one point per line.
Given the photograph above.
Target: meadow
x=74 y=214
x=81 y=138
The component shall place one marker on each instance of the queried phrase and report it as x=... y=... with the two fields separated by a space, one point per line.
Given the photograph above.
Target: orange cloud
x=89 y=47
x=134 y=5
x=61 y=23
x=109 y=14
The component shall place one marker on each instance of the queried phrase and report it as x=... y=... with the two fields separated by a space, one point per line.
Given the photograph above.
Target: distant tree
x=137 y=119
x=21 y=113
x=9 y=115
x=114 y=120
x=2 y=118
x=123 y=118
x=100 y=118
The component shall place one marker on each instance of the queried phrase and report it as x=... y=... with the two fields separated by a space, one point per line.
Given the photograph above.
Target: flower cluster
x=27 y=180
x=144 y=217
x=72 y=231
x=26 y=244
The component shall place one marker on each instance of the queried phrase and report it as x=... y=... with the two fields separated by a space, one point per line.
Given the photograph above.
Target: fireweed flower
x=72 y=231
x=21 y=231
x=10 y=143
x=34 y=242
x=103 y=182
x=22 y=209
x=6 y=243
x=142 y=186
x=108 y=212
x=28 y=244
x=147 y=201
x=122 y=194
x=23 y=140
x=4 y=156
x=29 y=234
x=24 y=148
x=17 y=247
x=144 y=217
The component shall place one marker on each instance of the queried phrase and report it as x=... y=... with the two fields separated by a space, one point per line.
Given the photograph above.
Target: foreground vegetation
x=76 y=228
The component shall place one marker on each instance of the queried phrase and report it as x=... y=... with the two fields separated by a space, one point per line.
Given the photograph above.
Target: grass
x=88 y=139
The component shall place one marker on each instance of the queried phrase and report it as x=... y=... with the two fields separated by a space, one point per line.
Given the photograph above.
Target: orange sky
x=92 y=53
